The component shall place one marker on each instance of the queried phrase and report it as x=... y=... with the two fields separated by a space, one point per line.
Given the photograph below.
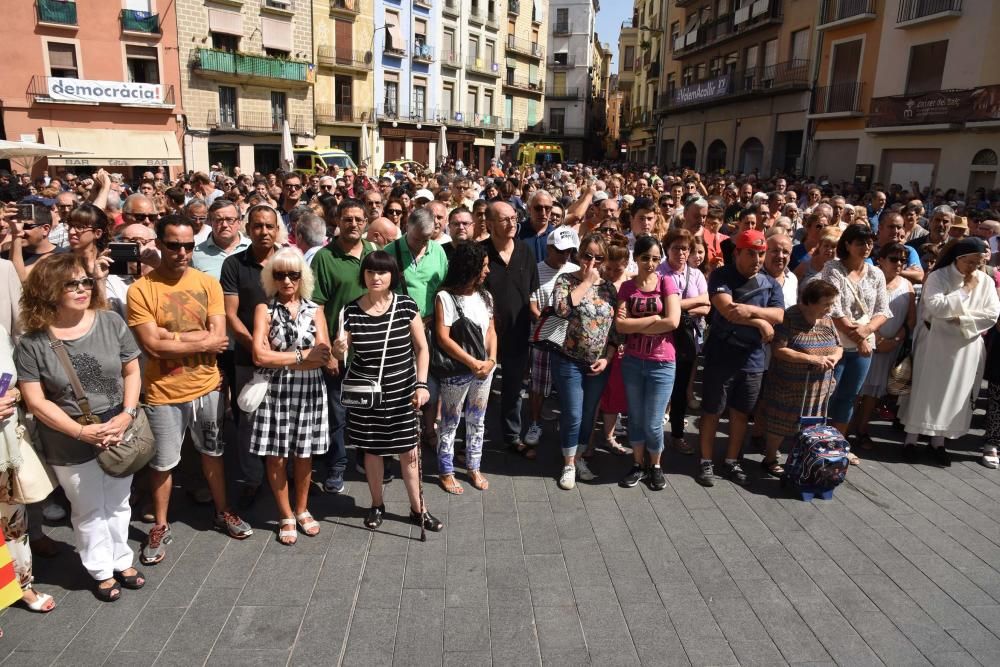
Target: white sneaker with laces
x=533 y=435
x=583 y=471
x=567 y=480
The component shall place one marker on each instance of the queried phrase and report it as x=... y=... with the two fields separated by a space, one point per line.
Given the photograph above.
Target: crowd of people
x=325 y=311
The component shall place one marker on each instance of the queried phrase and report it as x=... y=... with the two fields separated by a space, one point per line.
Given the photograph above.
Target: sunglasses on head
x=176 y=246
x=294 y=276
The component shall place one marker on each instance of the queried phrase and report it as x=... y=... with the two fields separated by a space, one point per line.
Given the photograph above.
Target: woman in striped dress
x=385 y=335
x=805 y=349
x=290 y=336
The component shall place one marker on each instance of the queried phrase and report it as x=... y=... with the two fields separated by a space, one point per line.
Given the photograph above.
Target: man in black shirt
x=513 y=278
x=242 y=291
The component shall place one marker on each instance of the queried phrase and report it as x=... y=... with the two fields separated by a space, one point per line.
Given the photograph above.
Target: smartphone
x=5 y=381
x=25 y=211
x=124 y=259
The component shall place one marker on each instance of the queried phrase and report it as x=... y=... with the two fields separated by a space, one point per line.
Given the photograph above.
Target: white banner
x=106 y=92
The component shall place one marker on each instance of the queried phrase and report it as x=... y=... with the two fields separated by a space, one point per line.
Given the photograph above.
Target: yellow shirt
x=179 y=307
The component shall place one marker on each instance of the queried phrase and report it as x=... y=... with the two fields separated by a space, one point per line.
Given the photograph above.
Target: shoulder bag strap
x=385 y=346
x=399 y=260
x=458 y=306
x=857 y=294
x=60 y=349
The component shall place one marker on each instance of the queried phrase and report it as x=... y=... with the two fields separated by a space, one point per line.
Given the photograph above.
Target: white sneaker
x=583 y=471
x=567 y=480
x=533 y=435
x=53 y=512
x=990 y=458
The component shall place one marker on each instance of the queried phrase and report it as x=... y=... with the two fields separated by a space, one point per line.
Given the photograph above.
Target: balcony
x=757 y=81
x=328 y=114
x=343 y=59
x=916 y=12
x=226 y=120
x=52 y=90
x=451 y=8
x=477 y=15
x=413 y=114
x=562 y=28
x=561 y=61
x=523 y=84
x=729 y=26
x=482 y=67
x=423 y=53
x=841 y=100
x=394 y=50
x=836 y=13
x=244 y=68
x=56 y=12
x=345 y=8
x=142 y=22
x=451 y=59
x=525 y=47
x=551 y=129
x=563 y=93
x=492 y=21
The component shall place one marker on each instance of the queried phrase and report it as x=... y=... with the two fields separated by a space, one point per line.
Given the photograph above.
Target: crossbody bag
x=364 y=393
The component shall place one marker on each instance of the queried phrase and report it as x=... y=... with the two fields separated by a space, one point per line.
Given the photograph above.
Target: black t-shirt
x=240 y=276
x=511 y=286
x=30 y=257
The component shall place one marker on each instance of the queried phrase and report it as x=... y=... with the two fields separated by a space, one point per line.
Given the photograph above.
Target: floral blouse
x=591 y=322
x=871 y=289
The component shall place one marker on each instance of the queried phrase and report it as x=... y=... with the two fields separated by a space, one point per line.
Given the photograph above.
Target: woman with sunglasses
x=649 y=309
x=395 y=211
x=579 y=369
x=889 y=339
x=290 y=336
x=62 y=302
x=89 y=229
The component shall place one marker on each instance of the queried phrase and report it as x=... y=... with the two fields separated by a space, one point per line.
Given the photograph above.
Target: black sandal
x=374 y=518
x=131 y=582
x=112 y=594
x=430 y=522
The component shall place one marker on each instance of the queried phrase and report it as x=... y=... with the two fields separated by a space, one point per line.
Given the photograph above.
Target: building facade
x=523 y=70
x=628 y=41
x=571 y=68
x=736 y=88
x=98 y=77
x=647 y=23
x=343 y=32
x=918 y=100
x=246 y=68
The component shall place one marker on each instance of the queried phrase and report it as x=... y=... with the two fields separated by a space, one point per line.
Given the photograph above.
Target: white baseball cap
x=563 y=238
x=424 y=193
x=599 y=196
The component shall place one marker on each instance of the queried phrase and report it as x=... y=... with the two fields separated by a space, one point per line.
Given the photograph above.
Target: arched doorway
x=715 y=159
x=751 y=155
x=689 y=155
x=983 y=172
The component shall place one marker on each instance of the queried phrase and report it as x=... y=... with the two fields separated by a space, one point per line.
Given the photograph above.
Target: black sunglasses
x=176 y=246
x=280 y=276
x=394 y=211
x=74 y=285
x=590 y=257
x=145 y=217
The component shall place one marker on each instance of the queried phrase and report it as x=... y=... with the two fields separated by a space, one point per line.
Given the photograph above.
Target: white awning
x=225 y=21
x=117 y=148
x=276 y=33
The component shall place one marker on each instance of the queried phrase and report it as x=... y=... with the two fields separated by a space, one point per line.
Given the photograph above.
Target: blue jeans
x=850 y=374
x=579 y=395
x=648 y=386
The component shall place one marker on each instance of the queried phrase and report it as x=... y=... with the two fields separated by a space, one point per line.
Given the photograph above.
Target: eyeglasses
x=294 y=276
x=394 y=211
x=649 y=258
x=512 y=220
x=177 y=246
x=199 y=218
x=327 y=187
x=895 y=260
x=373 y=203
x=86 y=284
x=226 y=221
x=144 y=217
x=65 y=207
x=293 y=186
x=80 y=229
x=590 y=257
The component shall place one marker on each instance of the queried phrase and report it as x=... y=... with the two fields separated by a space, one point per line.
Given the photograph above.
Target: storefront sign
x=699 y=92
x=940 y=106
x=104 y=92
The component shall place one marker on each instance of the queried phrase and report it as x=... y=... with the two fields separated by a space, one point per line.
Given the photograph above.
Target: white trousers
x=100 y=517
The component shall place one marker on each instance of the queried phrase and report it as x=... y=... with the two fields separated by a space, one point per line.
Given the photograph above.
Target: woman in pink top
x=649 y=309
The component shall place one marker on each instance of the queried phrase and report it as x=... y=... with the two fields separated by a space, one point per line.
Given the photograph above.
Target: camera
x=124 y=259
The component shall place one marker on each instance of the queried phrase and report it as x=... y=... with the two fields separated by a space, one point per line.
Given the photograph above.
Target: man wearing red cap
x=747 y=304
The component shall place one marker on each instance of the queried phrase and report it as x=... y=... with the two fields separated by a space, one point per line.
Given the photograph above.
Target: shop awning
x=116 y=148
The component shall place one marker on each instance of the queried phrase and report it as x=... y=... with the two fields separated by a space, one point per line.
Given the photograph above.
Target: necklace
x=375 y=309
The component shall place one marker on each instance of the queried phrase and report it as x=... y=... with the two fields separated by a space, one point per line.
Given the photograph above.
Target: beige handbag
x=32 y=481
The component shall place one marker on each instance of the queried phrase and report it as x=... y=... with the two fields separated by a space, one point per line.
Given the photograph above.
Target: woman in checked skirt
x=290 y=337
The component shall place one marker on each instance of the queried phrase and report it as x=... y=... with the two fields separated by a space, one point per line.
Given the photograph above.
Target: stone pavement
x=902 y=567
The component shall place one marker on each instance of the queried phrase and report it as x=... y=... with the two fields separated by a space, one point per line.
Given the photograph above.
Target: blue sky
x=609 y=22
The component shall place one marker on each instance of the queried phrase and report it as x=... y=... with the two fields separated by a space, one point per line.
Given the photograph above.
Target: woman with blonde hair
x=825 y=251
x=63 y=306
x=290 y=337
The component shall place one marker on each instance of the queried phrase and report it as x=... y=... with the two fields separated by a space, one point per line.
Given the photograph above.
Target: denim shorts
x=169 y=423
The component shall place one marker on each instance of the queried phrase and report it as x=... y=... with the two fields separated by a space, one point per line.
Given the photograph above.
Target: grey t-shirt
x=97 y=358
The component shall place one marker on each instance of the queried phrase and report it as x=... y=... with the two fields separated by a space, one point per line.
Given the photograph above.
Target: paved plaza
x=902 y=567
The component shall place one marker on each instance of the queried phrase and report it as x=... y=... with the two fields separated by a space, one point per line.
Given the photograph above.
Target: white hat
x=629 y=199
x=599 y=196
x=424 y=193
x=563 y=238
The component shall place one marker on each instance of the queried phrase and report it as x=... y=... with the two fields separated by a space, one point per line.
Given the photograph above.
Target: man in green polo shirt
x=337 y=268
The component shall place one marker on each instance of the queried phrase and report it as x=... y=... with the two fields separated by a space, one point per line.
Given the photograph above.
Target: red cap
x=751 y=240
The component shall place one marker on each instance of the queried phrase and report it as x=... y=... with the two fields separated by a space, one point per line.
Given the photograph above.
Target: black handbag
x=686 y=333
x=467 y=335
x=358 y=392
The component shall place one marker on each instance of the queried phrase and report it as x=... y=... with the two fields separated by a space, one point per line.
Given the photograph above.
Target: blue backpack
x=818 y=458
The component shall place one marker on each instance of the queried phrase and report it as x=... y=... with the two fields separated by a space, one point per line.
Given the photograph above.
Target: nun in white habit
x=959 y=303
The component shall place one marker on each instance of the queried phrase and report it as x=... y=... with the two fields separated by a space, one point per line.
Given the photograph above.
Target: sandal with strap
x=111 y=594
x=616 y=447
x=287 y=537
x=451 y=485
x=132 y=582
x=39 y=605
x=375 y=516
x=478 y=480
x=772 y=468
x=308 y=524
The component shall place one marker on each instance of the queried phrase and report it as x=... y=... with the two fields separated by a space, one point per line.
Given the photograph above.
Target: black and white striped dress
x=392 y=427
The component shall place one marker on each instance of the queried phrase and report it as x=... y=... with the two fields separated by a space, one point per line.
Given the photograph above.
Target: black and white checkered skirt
x=292 y=420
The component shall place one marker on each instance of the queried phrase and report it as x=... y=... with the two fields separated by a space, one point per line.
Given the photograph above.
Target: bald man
x=139 y=209
x=382 y=232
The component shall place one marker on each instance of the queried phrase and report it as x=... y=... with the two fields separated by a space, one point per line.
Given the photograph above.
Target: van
x=540 y=153
x=317 y=160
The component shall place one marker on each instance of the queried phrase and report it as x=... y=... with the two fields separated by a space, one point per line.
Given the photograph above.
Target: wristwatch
x=131 y=412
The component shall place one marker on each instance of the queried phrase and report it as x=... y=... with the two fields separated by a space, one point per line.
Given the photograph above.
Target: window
x=449 y=44
x=722 y=7
x=800 y=45
x=687 y=76
x=510 y=75
x=472 y=102
x=225 y=41
x=488 y=103
x=420 y=100
x=671 y=83
x=926 y=67
x=629 y=58
x=750 y=58
x=62 y=60
x=491 y=53
x=732 y=60
x=715 y=67
x=419 y=33
x=391 y=100
x=143 y=64
x=448 y=101
x=699 y=72
x=278 y=53
x=227 y=107
x=557 y=121
x=562 y=17
x=473 y=49
x=279 y=110
x=393 y=35
x=561 y=58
